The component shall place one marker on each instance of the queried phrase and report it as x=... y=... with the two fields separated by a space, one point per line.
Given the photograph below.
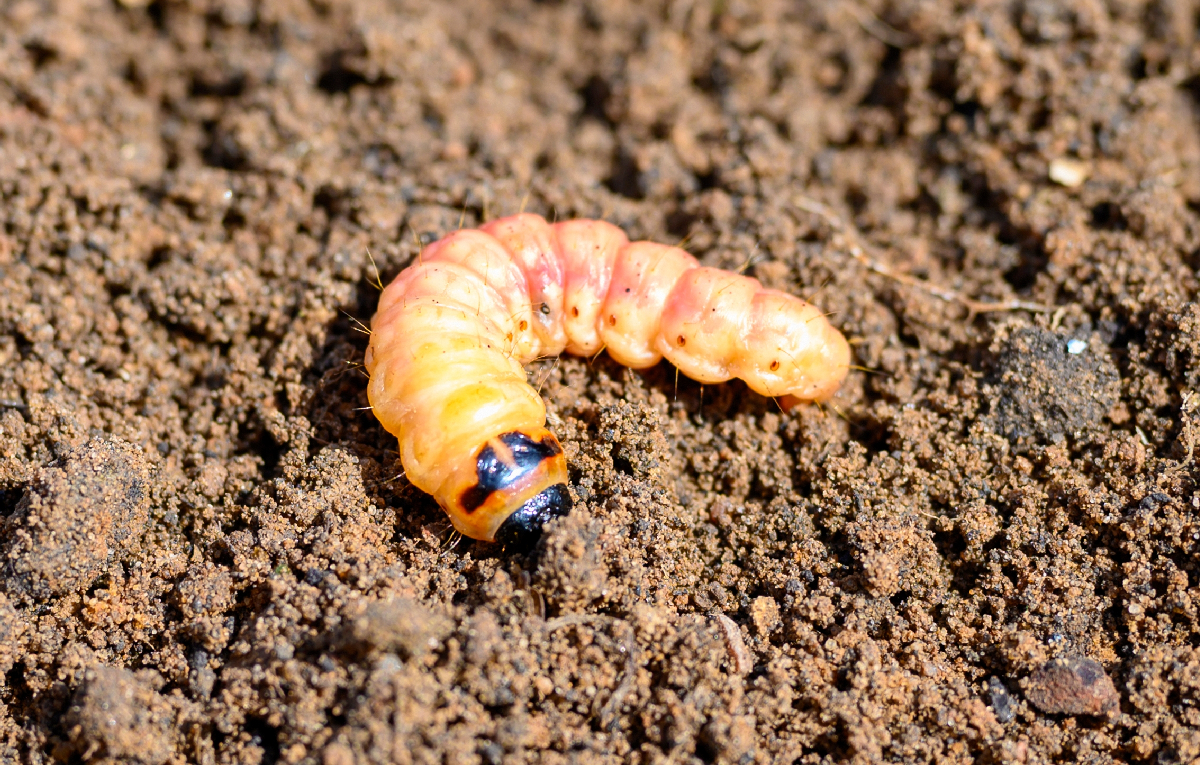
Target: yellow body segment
x=455 y=328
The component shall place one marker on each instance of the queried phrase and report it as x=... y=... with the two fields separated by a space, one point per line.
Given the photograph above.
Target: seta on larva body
x=453 y=331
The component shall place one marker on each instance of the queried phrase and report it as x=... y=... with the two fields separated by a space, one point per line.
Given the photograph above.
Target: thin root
x=860 y=253
x=878 y=28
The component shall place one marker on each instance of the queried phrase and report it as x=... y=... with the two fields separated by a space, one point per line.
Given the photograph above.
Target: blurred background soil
x=984 y=550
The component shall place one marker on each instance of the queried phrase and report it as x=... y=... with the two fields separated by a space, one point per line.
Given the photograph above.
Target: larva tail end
x=521 y=530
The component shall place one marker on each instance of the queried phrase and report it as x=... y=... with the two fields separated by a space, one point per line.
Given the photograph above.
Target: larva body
x=454 y=329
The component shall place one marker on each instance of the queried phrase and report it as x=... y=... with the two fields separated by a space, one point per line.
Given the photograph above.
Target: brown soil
x=985 y=550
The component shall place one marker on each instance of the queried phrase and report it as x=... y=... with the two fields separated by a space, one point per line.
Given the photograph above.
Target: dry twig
x=860 y=252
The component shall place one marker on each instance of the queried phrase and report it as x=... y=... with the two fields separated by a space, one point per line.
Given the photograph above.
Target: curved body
x=454 y=329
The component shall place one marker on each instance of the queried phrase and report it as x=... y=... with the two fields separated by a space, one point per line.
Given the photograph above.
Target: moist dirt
x=985 y=549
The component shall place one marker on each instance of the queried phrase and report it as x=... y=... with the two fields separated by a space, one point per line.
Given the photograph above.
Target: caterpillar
x=454 y=330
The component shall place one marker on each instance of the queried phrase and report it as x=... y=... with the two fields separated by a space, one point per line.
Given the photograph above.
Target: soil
x=985 y=549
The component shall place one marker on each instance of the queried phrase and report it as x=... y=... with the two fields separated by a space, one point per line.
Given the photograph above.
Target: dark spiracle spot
x=521 y=530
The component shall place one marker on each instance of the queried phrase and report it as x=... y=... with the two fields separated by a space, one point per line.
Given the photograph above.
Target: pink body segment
x=455 y=328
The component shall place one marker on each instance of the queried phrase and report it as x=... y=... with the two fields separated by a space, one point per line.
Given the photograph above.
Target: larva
x=453 y=331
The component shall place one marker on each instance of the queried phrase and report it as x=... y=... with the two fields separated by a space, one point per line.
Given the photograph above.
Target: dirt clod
x=399 y=625
x=77 y=515
x=119 y=716
x=1072 y=686
x=1051 y=385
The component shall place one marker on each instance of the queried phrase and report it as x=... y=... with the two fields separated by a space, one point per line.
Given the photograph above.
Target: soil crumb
x=119 y=716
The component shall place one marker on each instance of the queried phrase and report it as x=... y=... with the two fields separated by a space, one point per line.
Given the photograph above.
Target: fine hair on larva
x=454 y=330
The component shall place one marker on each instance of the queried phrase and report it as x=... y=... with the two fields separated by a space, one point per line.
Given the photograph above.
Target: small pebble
x=764 y=614
x=1068 y=172
x=1073 y=685
x=1000 y=700
x=1076 y=347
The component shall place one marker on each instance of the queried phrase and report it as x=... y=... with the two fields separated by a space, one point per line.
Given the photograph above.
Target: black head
x=521 y=530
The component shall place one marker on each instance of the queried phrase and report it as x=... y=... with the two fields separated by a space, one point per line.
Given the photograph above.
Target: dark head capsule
x=521 y=530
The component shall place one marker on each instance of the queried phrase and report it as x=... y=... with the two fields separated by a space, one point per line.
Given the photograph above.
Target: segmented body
x=453 y=331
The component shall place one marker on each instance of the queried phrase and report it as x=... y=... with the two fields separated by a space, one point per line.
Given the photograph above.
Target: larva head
x=515 y=483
